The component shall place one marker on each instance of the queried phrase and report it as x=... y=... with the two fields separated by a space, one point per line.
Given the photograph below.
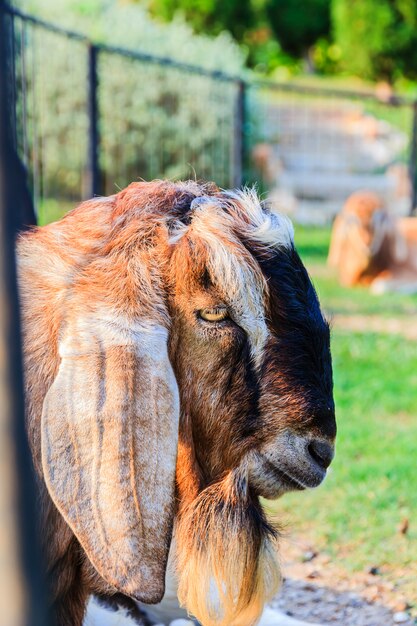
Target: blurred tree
x=377 y=38
x=298 y=24
x=210 y=16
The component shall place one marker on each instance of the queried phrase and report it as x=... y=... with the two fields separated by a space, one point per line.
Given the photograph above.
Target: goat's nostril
x=321 y=452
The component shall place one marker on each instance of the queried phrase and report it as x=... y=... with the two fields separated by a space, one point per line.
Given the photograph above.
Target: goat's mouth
x=291 y=479
x=284 y=476
x=272 y=478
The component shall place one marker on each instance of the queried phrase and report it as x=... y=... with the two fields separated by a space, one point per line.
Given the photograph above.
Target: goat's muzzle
x=292 y=462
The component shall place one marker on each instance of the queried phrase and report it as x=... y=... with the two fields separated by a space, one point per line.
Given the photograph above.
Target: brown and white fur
x=372 y=248
x=177 y=368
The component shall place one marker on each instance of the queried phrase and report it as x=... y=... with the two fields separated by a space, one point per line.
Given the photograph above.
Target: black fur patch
x=300 y=349
x=118 y=601
x=242 y=386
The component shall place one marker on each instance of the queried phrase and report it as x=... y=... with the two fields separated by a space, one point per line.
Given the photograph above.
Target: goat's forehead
x=242 y=212
x=227 y=229
x=237 y=213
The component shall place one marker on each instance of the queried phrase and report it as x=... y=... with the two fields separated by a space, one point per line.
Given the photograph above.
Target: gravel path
x=316 y=589
x=312 y=603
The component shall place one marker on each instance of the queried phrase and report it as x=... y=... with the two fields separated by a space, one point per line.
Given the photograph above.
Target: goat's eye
x=216 y=314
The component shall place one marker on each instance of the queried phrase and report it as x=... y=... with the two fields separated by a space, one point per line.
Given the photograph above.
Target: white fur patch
x=111 y=330
x=98 y=615
x=272 y=229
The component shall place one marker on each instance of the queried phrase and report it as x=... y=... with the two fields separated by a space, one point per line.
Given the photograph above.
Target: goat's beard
x=226 y=556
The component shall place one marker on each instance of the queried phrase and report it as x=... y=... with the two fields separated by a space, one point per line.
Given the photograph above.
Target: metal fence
x=90 y=118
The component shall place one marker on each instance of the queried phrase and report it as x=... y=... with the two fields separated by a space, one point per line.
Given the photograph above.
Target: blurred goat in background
x=371 y=247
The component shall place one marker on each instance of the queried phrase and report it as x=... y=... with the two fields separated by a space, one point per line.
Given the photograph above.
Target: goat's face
x=250 y=349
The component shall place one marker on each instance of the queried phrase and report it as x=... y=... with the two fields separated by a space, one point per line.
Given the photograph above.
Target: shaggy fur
x=225 y=542
x=140 y=412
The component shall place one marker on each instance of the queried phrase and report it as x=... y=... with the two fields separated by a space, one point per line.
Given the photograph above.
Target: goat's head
x=250 y=347
x=189 y=323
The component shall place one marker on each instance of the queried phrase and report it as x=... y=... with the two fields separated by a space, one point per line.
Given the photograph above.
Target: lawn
x=372 y=486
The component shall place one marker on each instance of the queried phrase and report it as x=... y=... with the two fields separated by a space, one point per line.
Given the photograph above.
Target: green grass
x=371 y=486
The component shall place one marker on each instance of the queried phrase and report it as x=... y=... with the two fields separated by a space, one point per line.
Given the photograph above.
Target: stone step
x=327 y=185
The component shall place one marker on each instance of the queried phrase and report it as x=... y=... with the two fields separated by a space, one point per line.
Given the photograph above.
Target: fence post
x=22 y=597
x=413 y=161
x=93 y=187
x=239 y=159
x=23 y=198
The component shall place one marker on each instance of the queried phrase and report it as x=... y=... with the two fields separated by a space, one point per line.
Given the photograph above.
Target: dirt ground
x=315 y=589
x=375 y=324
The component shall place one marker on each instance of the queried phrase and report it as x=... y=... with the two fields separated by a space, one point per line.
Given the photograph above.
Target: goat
x=177 y=368
x=370 y=247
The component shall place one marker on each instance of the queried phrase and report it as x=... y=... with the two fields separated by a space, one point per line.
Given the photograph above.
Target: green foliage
x=265 y=54
x=211 y=16
x=326 y=56
x=155 y=121
x=378 y=38
x=130 y=26
x=298 y=24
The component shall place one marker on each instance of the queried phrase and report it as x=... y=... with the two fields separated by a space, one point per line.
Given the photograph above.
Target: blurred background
x=313 y=101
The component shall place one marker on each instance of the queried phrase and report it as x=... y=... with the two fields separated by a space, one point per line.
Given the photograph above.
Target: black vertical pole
x=413 y=161
x=22 y=590
x=28 y=213
x=239 y=160
x=23 y=199
x=93 y=187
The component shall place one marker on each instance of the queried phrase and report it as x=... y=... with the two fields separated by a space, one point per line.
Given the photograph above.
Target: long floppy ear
x=109 y=446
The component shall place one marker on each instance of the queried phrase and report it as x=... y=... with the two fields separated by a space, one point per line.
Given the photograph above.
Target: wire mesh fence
x=172 y=124
x=49 y=72
x=90 y=118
